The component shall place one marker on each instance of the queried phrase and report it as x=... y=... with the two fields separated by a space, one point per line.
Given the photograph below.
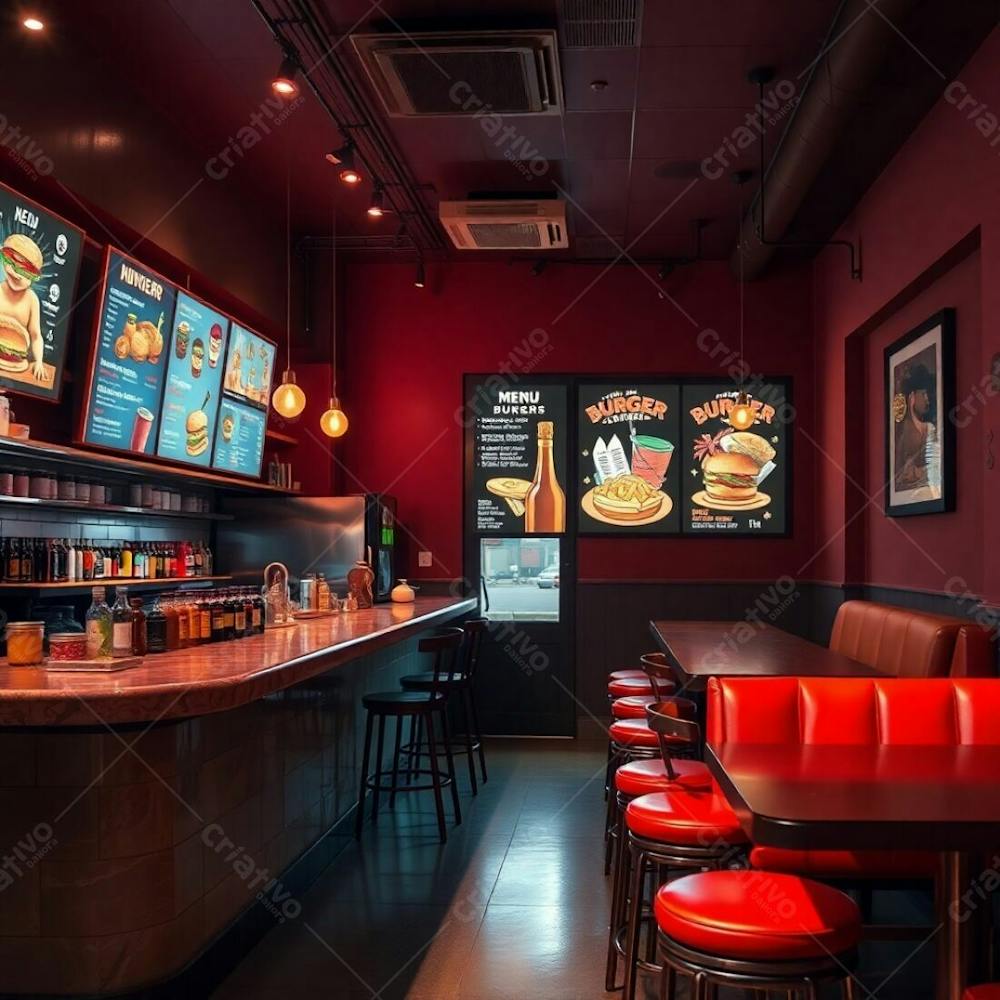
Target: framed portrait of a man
x=919 y=436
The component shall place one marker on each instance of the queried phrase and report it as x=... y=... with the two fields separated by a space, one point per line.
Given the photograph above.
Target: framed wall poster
x=628 y=477
x=919 y=439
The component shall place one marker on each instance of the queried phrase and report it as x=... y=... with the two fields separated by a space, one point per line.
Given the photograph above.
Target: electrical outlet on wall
x=424 y=558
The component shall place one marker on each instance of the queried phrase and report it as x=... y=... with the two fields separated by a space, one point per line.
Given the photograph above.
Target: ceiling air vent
x=506 y=72
x=599 y=24
x=505 y=225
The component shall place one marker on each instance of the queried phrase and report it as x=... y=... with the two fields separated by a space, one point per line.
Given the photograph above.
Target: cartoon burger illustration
x=731 y=471
x=227 y=428
x=196 y=428
x=181 y=339
x=197 y=357
x=20 y=310
x=13 y=346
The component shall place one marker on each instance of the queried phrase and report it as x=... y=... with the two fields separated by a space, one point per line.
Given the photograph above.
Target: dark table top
x=740 y=649
x=863 y=797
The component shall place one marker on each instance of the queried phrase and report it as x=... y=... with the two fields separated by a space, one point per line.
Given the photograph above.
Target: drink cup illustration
x=651 y=458
x=140 y=429
x=214 y=345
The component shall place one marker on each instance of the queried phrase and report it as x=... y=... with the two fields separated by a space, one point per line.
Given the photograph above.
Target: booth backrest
x=905 y=643
x=853 y=710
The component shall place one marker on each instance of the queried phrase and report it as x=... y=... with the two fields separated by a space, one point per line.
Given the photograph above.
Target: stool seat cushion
x=401 y=702
x=757 y=915
x=638 y=685
x=988 y=991
x=626 y=675
x=633 y=706
x=847 y=864
x=425 y=680
x=688 y=816
x=635 y=733
x=640 y=777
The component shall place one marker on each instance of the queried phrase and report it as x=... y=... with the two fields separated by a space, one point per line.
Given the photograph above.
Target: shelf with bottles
x=32 y=503
x=82 y=586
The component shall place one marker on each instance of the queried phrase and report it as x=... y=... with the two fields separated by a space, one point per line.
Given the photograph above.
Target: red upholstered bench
x=852 y=711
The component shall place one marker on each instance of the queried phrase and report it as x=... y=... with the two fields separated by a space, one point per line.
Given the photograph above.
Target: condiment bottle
x=138 y=627
x=98 y=626
x=121 y=625
x=156 y=629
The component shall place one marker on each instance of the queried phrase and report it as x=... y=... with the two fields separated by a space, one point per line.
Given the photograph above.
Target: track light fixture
x=284 y=83
x=344 y=158
x=420 y=280
x=376 y=207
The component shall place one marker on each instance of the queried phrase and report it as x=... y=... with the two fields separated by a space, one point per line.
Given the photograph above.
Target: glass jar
x=67 y=488
x=83 y=487
x=24 y=643
x=21 y=482
x=68 y=646
x=56 y=618
x=6 y=482
x=40 y=486
x=98 y=493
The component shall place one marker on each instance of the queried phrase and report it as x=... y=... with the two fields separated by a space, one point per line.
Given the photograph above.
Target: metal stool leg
x=467 y=719
x=446 y=736
x=360 y=817
x=618 y=903
x=395 y=761
x=633 y=919
x=479 y=734
x=436 y=777
x=378 y=768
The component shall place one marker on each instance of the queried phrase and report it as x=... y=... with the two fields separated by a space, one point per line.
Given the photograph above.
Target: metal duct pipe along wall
x=850 y=58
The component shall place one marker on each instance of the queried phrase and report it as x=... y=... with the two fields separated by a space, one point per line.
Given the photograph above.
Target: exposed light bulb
x=33 y=23
x=288 y=399
x=375 y=209
x=420 y=279
x=284 y=83
x=742 y=416
x=334 y=421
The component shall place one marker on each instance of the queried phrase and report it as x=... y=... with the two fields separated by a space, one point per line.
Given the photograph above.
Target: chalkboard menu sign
x=520 y=457
x=735 y=481
x=127 y=370
x=628 y=466
x=40 y=256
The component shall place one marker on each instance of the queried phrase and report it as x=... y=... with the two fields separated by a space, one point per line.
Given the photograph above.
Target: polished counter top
x=215 y=677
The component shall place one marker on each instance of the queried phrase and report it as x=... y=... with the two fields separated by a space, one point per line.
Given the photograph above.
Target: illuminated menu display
x=628 y=469
x=40 y=257
x=193 y=383
x=520 y=458
x=735 y=480
x=239 y=439
x=123 y=405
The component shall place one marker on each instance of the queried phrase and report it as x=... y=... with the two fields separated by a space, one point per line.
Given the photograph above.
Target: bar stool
x=988 y=991
x=460 y=685
x=425 y=706
x=688 y=827
x=718 y=928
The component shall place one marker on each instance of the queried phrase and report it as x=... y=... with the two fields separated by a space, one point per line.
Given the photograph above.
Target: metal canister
x=308 y=596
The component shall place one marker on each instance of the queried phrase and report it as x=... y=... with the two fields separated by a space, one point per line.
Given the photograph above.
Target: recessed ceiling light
x=33 y=23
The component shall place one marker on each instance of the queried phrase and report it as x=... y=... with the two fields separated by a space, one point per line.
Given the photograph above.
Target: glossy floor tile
x=514 y=906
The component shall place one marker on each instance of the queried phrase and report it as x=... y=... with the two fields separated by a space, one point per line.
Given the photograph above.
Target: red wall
x=939 y=188
x=406 y=350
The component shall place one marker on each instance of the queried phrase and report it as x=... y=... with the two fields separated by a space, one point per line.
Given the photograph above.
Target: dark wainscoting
x=612 y=619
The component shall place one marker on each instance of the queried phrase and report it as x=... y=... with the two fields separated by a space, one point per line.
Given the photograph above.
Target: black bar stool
x=426 y=707
x=460 y=685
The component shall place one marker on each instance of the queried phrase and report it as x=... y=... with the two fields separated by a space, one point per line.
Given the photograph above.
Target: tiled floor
x=513 y=907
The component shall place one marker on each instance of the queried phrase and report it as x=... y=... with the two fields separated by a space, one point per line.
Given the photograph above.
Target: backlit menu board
x=628 y=467
x=40 y=254
x=127 y=370
x=246 y=389
x=520 y=457
x=735 y=482
x=193 y=383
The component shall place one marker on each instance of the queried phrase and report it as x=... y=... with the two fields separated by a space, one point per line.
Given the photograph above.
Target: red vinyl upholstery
x=851 y=711
x=905 y=643
x=989 y=991
x=633 y=706
x=628 y=686
x=640 y=777
x=724 y=913
x=633 y=733
x=685 y=816
x=626 y=675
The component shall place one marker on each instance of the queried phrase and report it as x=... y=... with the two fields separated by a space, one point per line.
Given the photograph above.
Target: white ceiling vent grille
x=509 y=73
x=599 y=24
x=505 y=225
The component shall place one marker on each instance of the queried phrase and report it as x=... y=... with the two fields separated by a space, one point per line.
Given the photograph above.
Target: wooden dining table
x=699 y=650
x=823 y=797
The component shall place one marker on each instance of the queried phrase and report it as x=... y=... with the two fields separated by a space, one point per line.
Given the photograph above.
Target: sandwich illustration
x=510 y=489
x=733 y=465
x=196 y=427
x=227 y=427
x=20 y=310
x=14 y=341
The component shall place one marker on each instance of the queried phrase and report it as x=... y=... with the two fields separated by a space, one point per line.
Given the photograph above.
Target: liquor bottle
x=173 y=624
x=98 y=626
x=70 y=560
x=79 y=560
x=239 y=615
x=199 y=560
x=47 y=569
x=138 y=627
x=156 y=629
x=218 y=619
x=125 y=560
x=188 y=559
x=28 y=555
x=121 y=625
x=545 y=504
x=12 y=564
x=183 y=623
x=208 y=560
x=98 y=562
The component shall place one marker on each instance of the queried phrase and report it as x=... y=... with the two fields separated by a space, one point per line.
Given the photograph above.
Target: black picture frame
x=920 y=469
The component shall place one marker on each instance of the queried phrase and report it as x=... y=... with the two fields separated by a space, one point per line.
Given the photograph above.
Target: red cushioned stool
x=988 y=991
x=756 y=931
x=632 y=706
x=687 y=826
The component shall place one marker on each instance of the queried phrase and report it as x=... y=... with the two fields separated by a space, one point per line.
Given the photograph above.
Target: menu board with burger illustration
x=40 y=254
x=133 y=325
x=519 y=457
x=627 y=473
x=735 y=480
x=194 y=382
x=239 y=438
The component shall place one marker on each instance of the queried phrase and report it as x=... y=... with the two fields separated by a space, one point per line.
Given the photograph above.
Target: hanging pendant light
x=334 y=421
x=742 y=416
x=288 y=399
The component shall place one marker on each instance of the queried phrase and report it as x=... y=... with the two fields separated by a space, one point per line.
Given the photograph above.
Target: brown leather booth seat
x=905 y=643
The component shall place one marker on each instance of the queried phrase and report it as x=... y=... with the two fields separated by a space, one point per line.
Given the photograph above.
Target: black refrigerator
x=325 y=535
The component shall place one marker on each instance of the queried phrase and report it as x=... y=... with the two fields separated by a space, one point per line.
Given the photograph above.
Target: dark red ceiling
x=622 y=154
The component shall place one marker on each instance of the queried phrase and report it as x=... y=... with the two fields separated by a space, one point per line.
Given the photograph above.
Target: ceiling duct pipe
x=838 y=80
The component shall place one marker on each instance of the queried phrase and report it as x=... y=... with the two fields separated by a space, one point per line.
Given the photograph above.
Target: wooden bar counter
x=154 y=823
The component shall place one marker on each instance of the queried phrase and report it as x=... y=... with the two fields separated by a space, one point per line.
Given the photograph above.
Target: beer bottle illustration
x=545 y=504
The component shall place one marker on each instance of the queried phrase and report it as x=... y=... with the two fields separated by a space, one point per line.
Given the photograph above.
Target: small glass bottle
x=121 y=625
x=98 y=626
x=239 y=615
x=218 y=619
x=156 y=629
x=138 y=627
